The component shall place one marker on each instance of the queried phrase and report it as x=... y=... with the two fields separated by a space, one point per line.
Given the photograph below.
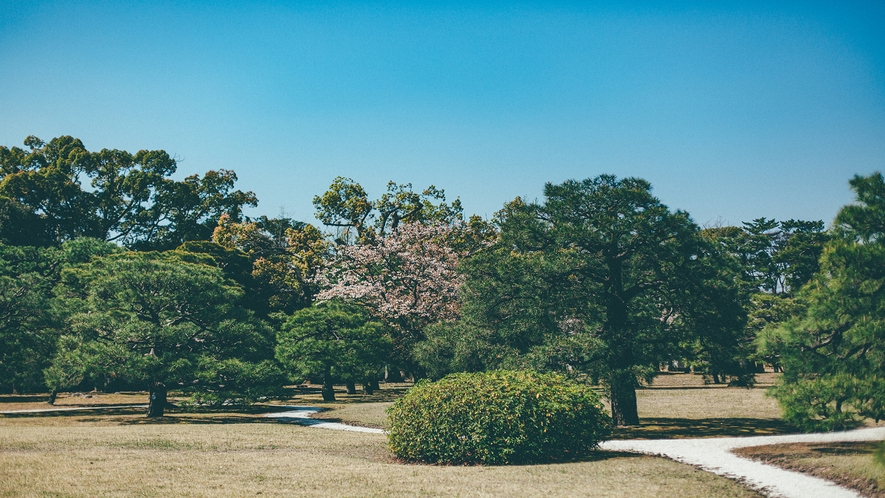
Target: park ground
x=239 y=452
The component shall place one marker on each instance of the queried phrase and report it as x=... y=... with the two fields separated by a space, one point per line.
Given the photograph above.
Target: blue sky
x=731 y=110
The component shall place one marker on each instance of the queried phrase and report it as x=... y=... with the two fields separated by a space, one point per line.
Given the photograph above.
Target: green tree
x=346 y=207
x=334 y=341
x=29 y=325
x=130 y=198
x=26 y=336
x=832 y=352
x=285 y=256
x=775 y=259
x=601 y=279
x=163 y=322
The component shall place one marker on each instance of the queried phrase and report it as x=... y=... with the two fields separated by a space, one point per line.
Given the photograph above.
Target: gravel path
x=714 y=455
x=301 y=415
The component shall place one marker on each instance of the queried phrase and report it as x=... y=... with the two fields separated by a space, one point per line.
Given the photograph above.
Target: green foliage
x=29 y=323
x=777 y=257
x=333 y=340
x=832 y=352
x=602 y=280
x=26 y=335
x=831 y=402
x=458 y=346
x=497 y=417
x=130 y=198
x=157 y=320
x=347 y=208
x=282 y=257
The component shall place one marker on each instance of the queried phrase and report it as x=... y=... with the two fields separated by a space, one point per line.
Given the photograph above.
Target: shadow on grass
x=846 y=448
x=385 y=395
x=805 y=450
x=74 y=411
x=20 y=398
x=251 y=414
x=676 y=428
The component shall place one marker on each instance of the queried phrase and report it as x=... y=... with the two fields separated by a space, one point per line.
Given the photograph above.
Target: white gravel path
x=714 y=455
x=301 y=415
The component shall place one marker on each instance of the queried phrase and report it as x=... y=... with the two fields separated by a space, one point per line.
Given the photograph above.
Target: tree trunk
x=393 y=374
x=620 y=338
x=373 y=385
x=350 y=386
x=623 y=398
x=328 y=391
x=157 y=403
x=52 y=396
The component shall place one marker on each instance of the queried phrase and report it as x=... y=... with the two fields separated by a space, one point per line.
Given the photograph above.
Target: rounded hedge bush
x=499 y=417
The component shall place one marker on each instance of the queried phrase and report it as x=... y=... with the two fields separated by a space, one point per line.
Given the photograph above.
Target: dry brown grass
x=848 y=464
x=242 y=454
x=237 y=453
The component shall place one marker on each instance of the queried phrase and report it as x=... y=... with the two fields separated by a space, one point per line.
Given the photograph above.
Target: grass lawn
x=238 y=452
x=849 y=464
x=242 y=454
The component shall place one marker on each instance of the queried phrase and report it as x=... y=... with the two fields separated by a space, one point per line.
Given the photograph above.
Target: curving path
x=710 y=454
x=714 y=455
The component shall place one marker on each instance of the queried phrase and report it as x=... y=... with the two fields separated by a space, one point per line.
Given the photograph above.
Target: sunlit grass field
x=239 y=452
x=245 y=454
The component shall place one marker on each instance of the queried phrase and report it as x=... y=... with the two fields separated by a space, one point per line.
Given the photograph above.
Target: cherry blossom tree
x=407 y=279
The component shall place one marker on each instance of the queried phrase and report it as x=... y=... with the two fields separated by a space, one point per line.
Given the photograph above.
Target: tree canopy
x=163 y=322
x=601 y=278
x=129 y=198
x=334 y=341
x=832 y=350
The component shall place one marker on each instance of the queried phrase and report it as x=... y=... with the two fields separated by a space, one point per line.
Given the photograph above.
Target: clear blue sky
x=731 y=110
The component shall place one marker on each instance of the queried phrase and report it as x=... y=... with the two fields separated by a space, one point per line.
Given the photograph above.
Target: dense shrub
x=498 y=417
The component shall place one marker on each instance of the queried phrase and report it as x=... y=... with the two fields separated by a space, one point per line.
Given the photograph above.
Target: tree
x=357 y=220
x=163 y=322
x=130 y=198
x=333 y=340
x=388 y=252
x=601 y=279
x=776 y=259
x=285 y=257
x=407 y=279
x=26 y=339
x=832 y=351
x=29 y=325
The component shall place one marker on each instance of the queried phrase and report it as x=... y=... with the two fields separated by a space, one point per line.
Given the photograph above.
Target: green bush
x=498 y=417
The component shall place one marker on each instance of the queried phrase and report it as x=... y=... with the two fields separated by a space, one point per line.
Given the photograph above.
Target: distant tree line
x=113 y=275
